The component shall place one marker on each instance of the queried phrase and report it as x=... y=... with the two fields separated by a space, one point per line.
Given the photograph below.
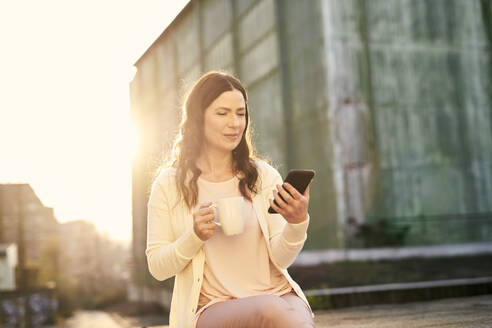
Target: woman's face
x=225 y=116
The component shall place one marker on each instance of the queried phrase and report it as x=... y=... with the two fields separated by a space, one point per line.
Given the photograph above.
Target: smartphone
x=299 y=179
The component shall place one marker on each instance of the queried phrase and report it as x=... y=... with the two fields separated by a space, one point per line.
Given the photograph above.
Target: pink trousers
x=270 y=311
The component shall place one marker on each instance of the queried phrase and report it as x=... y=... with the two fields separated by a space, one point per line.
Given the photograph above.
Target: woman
x=225 y=281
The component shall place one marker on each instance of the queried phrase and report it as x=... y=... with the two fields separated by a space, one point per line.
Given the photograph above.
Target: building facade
x=389 y=101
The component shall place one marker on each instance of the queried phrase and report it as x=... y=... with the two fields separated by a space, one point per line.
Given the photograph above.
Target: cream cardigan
x=174 y=249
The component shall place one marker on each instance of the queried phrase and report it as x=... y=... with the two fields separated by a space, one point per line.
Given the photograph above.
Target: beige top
x=239 y=265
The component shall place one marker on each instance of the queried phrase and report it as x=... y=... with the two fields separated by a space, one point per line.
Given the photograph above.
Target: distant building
x=8 y=262
x=81 y=244
x=25 y=221
x=19 y=201
x=90 y=254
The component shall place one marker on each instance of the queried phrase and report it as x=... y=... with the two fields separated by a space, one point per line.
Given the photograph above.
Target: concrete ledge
x=307 y=258
x=398 y=293
x=393 y=293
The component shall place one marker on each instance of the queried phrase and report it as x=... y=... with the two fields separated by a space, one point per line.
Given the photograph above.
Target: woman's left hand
x=295 y=207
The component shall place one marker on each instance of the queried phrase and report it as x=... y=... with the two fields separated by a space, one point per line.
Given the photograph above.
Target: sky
x=65 y=125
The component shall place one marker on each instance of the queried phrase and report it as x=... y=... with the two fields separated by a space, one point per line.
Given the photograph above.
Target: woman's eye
x=240 y=114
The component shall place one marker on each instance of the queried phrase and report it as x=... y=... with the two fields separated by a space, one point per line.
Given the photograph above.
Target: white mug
x=230 y=214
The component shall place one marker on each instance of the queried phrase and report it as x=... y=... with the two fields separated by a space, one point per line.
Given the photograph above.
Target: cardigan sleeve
x=286 y=239
x=166 y=254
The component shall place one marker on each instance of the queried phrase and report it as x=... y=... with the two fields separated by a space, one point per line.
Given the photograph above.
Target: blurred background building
x=8 y=263
x=27 y=223
x=389 y=101
x=48 y=268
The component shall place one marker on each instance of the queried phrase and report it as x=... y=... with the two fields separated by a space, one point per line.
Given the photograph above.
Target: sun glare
x=65 y=123
x=133 y=140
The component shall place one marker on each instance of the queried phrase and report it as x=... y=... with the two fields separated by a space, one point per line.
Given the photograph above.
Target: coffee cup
x=229 y=214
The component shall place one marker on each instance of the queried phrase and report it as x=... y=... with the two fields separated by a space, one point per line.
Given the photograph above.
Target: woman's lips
x=231 y=136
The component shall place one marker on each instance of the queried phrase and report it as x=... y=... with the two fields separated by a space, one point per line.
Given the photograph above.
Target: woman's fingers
x=203 y=221
x=275 y=207
x=291 y=204
x=204 y=205
x=291 y=190
x=285 y=195
x=279 y=201
x=206 y=218
x=204 y=210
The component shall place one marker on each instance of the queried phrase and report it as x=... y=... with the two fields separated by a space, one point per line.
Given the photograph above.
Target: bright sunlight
x=65 y=124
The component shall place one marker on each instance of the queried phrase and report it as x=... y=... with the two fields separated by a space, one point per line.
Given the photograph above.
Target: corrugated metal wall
x=389 y=101
x=423 y=68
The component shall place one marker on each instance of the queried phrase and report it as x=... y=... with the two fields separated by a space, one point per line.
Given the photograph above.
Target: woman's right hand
x=204 y=225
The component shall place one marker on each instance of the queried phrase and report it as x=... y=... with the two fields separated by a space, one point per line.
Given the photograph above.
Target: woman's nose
x=234 y=121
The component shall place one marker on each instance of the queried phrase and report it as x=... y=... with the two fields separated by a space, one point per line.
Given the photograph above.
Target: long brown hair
x=187 y=143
